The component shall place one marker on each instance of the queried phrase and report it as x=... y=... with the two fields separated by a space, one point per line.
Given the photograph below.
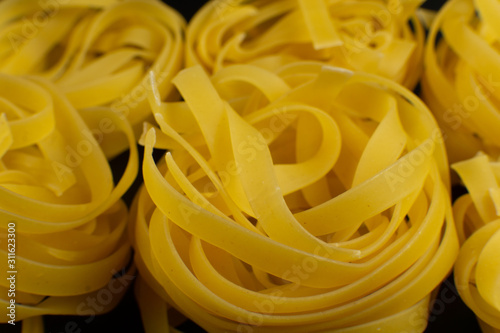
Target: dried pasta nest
x=305 y=199
x=97 y=52
x=462 y=76
x=60 y=206
x=477 y=270
x=380 y=37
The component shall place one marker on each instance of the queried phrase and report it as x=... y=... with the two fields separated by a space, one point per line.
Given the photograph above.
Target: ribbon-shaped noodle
x=303 y=200
x=380 y=37
x=59 y=204
x=96 y=52
x=477 y=270
x=462 y=76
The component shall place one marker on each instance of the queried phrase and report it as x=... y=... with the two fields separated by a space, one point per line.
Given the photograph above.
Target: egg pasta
x=380 y=37
x=477 y=270
x=305 y=199
x=61 y=203
x=96 y=52
x=461 y=80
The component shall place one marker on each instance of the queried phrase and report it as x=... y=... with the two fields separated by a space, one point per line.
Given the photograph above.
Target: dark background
x=448 y=314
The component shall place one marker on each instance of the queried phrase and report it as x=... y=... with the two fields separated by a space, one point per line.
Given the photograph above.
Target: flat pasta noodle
x=96 y=52
x=477 y=270
x=291 y=204
x=60 y=205
x=461 y=77
x=379 y=37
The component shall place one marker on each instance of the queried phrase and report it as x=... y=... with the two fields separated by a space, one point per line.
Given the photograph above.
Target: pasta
x=460 y=83
x=477 y=268
x=286 y=203
x=380 y=37
x=96 y=52
x=59 y=204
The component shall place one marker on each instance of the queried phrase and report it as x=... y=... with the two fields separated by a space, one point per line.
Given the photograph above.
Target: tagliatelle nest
x=462 y=77
x=302 y=200
x=380 y=37
x=477 y=270
x=59 y=201
x=96 y=52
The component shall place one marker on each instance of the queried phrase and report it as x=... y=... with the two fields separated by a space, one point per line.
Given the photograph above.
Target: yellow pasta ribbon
x=462 y=76
x=477 y=270
x=305 y=199
x=380 y=37
x=62 y=222
x=96 y=52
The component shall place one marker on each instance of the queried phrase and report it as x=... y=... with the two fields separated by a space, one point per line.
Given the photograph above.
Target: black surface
x=448 y=314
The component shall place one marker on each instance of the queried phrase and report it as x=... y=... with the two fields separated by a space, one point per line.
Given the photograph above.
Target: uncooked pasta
x=380 y=37
x=461 y=80
x=477 y=270
x=96 y=52
x=62 y=222
x=303 y=200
